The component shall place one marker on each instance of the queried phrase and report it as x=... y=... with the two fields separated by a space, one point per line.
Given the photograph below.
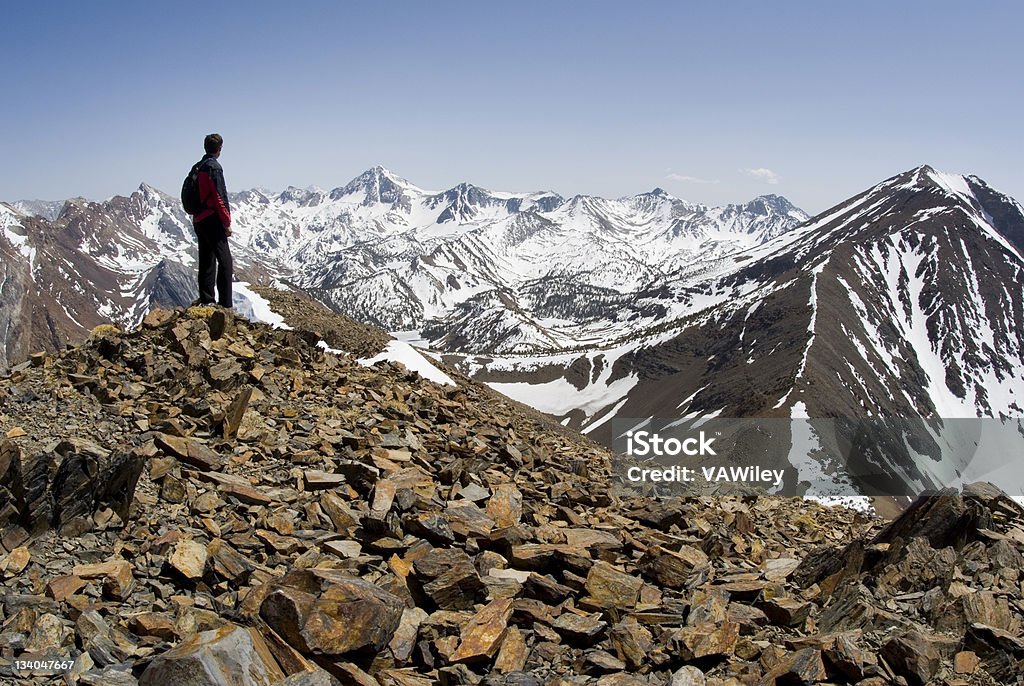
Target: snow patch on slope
x=560 y=397
x=957 y=186
x=15 y=234
x=411 y=359
x=254 y=306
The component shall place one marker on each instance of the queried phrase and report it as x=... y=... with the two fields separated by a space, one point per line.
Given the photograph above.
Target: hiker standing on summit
x=213 y=226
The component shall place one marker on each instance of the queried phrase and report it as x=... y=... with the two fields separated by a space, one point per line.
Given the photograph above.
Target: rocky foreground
x=208 y=501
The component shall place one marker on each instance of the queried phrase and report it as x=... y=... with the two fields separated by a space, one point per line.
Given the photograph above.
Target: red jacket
x=212 y=192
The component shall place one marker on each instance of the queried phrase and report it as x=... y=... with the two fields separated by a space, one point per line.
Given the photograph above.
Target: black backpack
x=190 y=191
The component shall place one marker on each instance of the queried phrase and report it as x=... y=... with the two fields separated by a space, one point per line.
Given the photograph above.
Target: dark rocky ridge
x=300 y=518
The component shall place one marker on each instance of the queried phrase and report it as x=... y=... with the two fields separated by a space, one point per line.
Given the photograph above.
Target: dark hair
x=213 y=143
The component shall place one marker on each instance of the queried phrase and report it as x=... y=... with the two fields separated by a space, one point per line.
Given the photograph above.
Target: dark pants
x=214 y=262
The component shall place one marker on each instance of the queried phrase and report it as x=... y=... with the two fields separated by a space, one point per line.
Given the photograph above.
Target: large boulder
x=330 y=612
x=229 y=655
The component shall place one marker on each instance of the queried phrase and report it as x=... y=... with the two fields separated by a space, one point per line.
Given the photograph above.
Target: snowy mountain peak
x=772 y=204
x=303 y=197
x=993 y=212
x=151 y=195
x=380 y=174
x=927 y=178
x=774 y=201
x=465 y=192
x=381 y=170
x=377 y=184
x=462 y=202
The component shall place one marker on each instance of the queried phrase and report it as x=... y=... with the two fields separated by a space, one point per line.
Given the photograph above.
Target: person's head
x=213 y=143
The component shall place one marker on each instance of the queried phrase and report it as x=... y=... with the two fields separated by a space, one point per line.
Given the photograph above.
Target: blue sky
x=715 y=102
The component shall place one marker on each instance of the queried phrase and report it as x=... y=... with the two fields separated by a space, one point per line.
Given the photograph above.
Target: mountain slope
x=904 y=301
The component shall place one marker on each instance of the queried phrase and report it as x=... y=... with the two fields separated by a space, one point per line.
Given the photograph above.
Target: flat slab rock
x=189 y=558
x=611 y=587
x=484 y=633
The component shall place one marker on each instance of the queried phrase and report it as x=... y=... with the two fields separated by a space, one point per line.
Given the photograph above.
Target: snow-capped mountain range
x=465 y=269
x=476 y=270
x=96 y=262
x=905 y=300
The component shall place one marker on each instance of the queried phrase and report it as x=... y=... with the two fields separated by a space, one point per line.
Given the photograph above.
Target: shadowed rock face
x=64 y=487
x=361 y=524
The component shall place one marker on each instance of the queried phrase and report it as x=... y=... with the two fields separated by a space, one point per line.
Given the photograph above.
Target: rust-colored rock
x=670 y=568
x=913 y=656
x=703 y=640
x=154 y=624
x=189 y=558
x=505 y=506
x=611 y=587
x=329 y=612
x=235 y=412
x=513 y=652
x=484 y=633
x=117 y=576
x=804 y=667
x=966 y=662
